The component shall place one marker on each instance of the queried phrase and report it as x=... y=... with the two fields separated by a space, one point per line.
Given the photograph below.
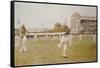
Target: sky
x=37 y=15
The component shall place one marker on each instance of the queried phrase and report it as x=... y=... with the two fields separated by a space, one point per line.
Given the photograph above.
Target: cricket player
x=23 y=45
x=64 y=43
x=17 y=41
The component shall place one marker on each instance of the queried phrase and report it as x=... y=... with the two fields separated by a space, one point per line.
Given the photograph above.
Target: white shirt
x=64 y=39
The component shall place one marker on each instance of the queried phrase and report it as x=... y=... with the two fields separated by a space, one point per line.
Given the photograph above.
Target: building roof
x=76 y=15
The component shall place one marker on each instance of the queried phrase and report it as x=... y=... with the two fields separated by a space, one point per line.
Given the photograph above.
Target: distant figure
x=64 y=43
x=17 y=40
x=23 y=45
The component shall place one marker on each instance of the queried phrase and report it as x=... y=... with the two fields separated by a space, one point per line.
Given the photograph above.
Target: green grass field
x=47 y=52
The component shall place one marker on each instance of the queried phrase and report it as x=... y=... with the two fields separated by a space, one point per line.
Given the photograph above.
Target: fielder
x=64 y=43
x=23 y=45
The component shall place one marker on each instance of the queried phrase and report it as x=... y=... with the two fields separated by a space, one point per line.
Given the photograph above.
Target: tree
x=57 y=27
x=65 y=28
x=60 y=28
x=23 y=30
